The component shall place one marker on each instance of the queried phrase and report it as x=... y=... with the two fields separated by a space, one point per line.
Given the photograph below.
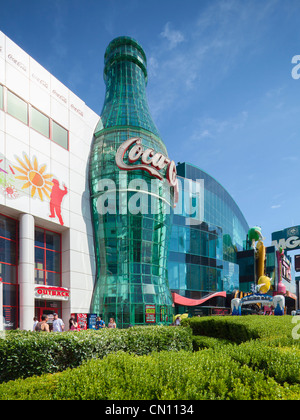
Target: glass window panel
x=182 y=275
x=17 y=107
x=59 y=135
x=40 y=122
x=8 y=273
x=181 y=239
x=52 y=241
x=52 y=261
x=7 y=251
x=173 y=275
x=149 y=298
x=39 y=277
x=39 y=258
x=139 y=314
x=53 y=279
x=39 y=237
x=9 y=295
x=7 y=227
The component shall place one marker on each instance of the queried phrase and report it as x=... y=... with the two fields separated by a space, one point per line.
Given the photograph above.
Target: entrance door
x=46 y=311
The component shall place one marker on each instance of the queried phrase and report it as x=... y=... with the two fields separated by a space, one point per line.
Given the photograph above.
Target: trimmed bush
x=205 y=375
x=201 y=342
x=242 y=329
x=24 y=354
x=240 y=358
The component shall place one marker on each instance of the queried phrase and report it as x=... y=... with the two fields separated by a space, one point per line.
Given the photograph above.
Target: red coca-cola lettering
x=151 y=161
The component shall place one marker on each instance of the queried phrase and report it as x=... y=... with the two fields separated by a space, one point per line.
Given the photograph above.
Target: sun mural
x=34 y=177
x=15 y=180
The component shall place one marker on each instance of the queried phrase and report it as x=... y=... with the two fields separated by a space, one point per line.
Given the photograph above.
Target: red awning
x=291 y=295
x=183 y=301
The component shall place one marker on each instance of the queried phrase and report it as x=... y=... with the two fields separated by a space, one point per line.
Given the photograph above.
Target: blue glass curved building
x=207 y=233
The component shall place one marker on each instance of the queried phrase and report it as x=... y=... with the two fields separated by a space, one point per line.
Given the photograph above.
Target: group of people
x=101 y=324
x=59 y=326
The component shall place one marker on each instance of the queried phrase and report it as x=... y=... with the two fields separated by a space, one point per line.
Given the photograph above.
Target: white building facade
x=47 y=261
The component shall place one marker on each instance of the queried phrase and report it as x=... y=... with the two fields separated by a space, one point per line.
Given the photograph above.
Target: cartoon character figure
x=279 y=303
x=56 y=198
x=236 y=307
x=254 y=235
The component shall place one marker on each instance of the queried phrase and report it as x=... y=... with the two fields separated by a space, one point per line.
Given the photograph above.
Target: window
x=20 y=109
x=17 y=107
x=59 y=135
x=8 y=271
x=40 y=122
x=1 y=97
x=47 y=257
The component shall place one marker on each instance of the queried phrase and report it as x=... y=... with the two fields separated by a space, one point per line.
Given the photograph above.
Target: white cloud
x=212 y=127
x=174 y=37
x=291 y=158
x=187 y=66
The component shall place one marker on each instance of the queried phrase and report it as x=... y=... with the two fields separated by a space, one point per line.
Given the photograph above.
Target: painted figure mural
x=29 y=177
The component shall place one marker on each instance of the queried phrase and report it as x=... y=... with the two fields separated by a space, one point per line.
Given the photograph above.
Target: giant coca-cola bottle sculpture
x=132 y=185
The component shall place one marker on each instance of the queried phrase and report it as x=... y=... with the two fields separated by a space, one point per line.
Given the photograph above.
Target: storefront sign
x=150 y=314
x=53 y=293
x=150 y=161
x=256 y=298
x=287 y=238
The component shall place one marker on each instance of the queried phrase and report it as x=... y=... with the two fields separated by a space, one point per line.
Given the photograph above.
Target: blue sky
x=220 y=86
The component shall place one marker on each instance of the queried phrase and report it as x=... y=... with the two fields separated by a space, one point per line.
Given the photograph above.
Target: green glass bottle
x=132 y=186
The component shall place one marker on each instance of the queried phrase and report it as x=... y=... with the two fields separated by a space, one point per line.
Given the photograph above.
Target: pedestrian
x=177 y=321
x=99 y=323
x=112 y=323
x=58 y=325
x=35 y=321
x=43 y=326
x=73 y=326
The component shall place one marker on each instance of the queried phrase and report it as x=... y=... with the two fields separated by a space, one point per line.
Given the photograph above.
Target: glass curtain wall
x=131 y=247
x=202 y=256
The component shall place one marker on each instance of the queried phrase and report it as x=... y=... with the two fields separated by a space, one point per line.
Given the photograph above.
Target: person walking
x=58 y=325
x=73 y=325
x=112 y=323
x=35 y=322
x=99 y=323
x=177 y=321
x=43 y=326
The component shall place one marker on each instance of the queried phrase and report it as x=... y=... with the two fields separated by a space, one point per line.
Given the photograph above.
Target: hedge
x=205 y=375
x=245 y=328
x=235 y=358
x=24 y=354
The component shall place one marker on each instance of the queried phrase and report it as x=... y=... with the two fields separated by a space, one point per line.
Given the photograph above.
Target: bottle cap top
x=125 y=48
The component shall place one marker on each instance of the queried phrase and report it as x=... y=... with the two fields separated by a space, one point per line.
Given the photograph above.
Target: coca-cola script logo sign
x=150 y=161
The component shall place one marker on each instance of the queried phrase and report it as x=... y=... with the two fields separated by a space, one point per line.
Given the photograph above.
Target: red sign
x=150 y=161
x=150 y=314
x=81 y=320
x=45 y=292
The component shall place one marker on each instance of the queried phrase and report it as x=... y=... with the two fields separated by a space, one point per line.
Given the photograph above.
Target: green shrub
x=283 y=364
x=160 y=376
x=241 y=329
x=235 y=358
x=24 y=354
x=201 y=342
